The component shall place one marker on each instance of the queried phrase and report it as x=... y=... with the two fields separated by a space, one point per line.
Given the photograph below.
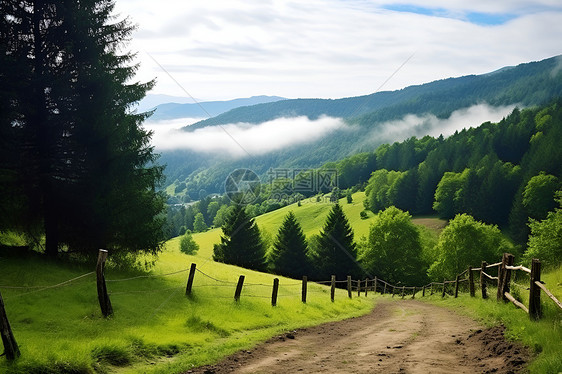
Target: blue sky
x=224 y=49
x=479 y=18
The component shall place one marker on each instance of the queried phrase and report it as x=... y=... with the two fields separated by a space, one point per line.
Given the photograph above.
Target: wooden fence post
x=304 y=288
x=471 y=282
x=501 y=269
x=414 y=293
x=457 y=286
x=506 y=276
x=535 y=310
x=483 y=285
x=11 y=349
x=358 y=287
x=393 y=290
x=403 y=288
x=443 y=293
x=375 y=286
x=274 y=292
x=431 y=288
x=366 y=286
x=190 y=279
x=384 y=289
x=423 y=291
x=333 y=288
x=349 y=286
x=239 y=288
x=103 y=297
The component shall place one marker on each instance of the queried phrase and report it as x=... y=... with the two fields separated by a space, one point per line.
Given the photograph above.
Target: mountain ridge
x=495 y=88
x=173 y=110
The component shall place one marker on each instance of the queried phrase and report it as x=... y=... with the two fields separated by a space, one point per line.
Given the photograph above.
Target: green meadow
x=155 y=327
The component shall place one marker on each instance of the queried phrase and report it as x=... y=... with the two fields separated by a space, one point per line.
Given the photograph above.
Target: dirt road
x=404 y=336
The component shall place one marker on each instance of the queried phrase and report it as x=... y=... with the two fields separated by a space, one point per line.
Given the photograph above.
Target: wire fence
x=217 y=288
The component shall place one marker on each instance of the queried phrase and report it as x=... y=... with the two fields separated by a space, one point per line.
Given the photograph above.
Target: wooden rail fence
x=502 y=281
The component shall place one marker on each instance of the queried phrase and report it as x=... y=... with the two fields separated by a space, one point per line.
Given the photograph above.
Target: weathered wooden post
x=393 y=290
x=423 y=291
x=375 y=286
x=431 y=288
x=239 y=288
x=11 y=349
x=103 y=297
x=304 y=288
x=333 y=288
x=535 y=310
x=358 y=287
x=190 y=279
x=403 y=289
x=384 y=289
x=506 y=276
x=444 y=282
x=274 y=292
x=471 y=282
x=414 y=293
x=457 y=286
x=349 y=286
x=366 y=286
x=483 y=285
x=501 y=270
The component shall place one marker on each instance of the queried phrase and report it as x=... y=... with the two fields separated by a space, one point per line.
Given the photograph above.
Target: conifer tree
x=241 y=242
x=85 y=167
x=289 y=253
x=335 y=253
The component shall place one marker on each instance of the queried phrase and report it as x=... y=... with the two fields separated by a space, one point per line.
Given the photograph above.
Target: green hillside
x=525 y=85
x=311 y=215
x=155 y=327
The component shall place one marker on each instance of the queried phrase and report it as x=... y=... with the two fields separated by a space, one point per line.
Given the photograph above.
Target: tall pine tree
x=289 y=255
x=86 y=166
x=241 y=242
x=335 y=253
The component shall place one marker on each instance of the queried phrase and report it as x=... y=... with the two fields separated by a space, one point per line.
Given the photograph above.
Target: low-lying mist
x=429 y=124
x=242 y=139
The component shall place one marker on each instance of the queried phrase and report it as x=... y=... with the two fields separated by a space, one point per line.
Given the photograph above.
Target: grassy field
x=155 y=328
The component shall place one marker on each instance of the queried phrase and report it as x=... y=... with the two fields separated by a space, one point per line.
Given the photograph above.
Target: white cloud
x=329 y=48
x=242 y=139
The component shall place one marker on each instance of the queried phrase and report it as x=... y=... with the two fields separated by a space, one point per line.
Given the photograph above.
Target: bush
x=187 y=244
x=545 y=242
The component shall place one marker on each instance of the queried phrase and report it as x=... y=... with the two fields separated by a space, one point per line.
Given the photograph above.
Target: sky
x=226 y=49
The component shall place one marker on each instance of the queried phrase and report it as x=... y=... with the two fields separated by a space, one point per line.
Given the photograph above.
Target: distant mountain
x=368 y=119
x=150 y=101
x=526 y=84
x=173 y=110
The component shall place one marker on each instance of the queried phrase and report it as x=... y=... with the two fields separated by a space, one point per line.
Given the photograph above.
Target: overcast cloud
x=224 y=49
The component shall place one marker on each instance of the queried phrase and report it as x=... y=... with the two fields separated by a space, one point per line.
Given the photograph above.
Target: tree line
x=395 y=249
x=500 y=173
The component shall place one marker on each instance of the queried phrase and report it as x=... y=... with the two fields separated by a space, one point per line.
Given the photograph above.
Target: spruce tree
x=241 y=242
x=289 y=254
x=335 y=253
x=86 y=166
